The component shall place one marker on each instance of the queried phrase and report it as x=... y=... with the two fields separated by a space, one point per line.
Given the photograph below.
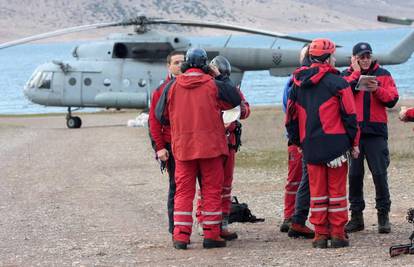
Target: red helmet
x=320 y=47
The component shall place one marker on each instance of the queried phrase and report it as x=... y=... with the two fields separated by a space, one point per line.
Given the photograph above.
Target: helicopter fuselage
x=122 y=72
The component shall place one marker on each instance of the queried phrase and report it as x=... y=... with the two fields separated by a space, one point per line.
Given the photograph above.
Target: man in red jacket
x=321 y=119
x=193 y=106
x=161 y=134
x=371 y=103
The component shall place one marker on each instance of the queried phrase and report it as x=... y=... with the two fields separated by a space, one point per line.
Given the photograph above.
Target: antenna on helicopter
x=140 y=25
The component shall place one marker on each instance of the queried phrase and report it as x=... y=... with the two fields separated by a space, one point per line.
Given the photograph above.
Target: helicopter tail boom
x=401 y=53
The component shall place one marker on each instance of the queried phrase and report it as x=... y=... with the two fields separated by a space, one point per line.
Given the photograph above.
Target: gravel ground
x=95 y=197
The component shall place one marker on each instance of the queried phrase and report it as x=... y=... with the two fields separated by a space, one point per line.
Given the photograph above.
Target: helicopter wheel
x=73 y=122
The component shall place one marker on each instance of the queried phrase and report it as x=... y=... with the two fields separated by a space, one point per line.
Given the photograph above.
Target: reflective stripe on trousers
x=293 y=180
x=328 y=198
x=211 y=171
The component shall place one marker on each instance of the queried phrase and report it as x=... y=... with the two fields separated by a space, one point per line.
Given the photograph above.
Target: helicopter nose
x=28 y=92
x=35 y=96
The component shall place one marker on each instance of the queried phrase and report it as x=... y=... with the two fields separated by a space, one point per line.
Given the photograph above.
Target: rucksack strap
x=162 y=103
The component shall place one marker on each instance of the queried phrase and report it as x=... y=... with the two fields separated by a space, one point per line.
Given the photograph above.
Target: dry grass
x=264 y=134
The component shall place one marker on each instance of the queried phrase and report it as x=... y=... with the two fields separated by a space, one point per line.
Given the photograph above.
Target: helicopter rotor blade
x=65 y=31
x=227 y=27
x=142 y=21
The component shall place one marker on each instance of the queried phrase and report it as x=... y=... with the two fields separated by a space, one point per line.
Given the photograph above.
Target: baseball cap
x=361 y=48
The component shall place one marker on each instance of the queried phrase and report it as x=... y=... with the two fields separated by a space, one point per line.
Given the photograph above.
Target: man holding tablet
x=374 y=91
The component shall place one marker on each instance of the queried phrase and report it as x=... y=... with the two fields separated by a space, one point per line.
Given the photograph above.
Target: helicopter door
x=72 y=91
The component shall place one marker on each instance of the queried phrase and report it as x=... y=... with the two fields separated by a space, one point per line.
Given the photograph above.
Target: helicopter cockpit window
x=46 y=80
x=34 y=80
x=41 y=80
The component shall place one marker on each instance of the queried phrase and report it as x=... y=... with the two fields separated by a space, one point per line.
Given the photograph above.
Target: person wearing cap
x=297 y=196
x=371 y=103
x=221 y=70
x=160 y=135
x=192 y=105
x=321 y=119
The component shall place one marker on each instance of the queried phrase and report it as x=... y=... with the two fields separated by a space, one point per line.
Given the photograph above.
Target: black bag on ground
x=240 y=212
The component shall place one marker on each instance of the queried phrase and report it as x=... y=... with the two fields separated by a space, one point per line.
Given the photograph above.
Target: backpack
x=240 y=212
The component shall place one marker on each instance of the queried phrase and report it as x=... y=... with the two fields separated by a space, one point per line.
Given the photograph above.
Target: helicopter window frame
x=45 y=81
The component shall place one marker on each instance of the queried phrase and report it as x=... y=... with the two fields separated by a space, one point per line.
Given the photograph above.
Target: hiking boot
x=384 y=226
x=320 y=241
x=214 y=243
x=356 y=223
x=298 y=230
x=227 y=235
x=339 y=241
x=179 y=244
x=284 y=228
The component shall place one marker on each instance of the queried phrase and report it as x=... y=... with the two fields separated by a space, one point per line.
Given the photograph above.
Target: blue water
x=18 y=63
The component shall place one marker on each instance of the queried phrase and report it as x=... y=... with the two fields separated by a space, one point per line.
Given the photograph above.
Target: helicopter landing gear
x=72 y=122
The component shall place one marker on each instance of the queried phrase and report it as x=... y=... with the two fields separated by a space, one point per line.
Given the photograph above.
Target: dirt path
x=95 y=196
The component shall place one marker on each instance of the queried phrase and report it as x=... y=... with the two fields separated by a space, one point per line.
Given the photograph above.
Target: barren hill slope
x=21 y=18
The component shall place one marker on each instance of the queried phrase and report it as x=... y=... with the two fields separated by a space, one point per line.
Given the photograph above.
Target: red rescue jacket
x=371 y=106
x=321 y=114
x=194 y=105
x=160 y=134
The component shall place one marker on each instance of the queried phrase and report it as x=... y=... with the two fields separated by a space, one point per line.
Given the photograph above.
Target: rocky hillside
x=19 y=18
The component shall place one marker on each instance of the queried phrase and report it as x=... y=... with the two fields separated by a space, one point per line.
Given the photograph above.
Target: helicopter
x=121 y=71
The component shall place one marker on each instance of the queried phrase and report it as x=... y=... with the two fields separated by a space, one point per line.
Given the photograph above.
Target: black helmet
x=222 y=64
x=196 y=57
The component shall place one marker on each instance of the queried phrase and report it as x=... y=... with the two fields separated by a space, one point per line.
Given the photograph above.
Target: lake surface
x=18 y=63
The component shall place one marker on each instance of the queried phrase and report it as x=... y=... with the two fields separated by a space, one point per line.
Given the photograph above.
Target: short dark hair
x=173 y=53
